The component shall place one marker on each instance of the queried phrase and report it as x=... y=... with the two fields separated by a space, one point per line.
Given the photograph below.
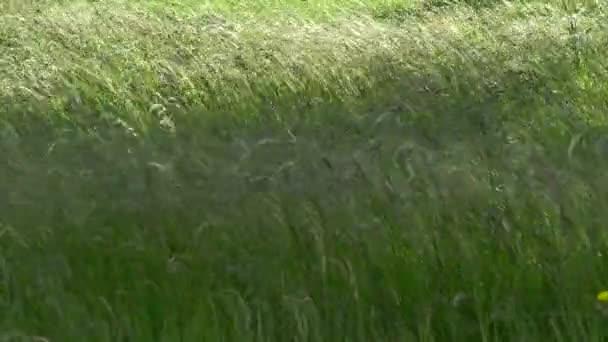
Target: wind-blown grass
x=185 y=174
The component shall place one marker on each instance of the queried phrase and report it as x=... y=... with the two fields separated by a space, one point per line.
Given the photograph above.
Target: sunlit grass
x=320 y=171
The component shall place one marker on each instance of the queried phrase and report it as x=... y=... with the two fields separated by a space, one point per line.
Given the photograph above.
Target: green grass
x=303 y=171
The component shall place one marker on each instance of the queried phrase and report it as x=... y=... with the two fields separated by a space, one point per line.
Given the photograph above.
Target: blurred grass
x=184 y=174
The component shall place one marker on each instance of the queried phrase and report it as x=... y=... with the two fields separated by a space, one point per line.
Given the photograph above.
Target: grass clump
x=181 y=172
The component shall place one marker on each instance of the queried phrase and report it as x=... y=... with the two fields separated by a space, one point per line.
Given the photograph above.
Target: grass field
x=303 y=170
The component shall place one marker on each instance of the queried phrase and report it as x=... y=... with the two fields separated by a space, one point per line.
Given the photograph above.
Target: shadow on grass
x=450 y=206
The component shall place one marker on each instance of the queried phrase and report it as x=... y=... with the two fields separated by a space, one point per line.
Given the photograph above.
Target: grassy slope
x=182 y=173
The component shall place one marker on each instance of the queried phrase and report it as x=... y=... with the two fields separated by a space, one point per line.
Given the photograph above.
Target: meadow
x=303 y=170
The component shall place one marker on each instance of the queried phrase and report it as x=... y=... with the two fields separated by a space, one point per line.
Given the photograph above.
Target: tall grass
x=193 y=174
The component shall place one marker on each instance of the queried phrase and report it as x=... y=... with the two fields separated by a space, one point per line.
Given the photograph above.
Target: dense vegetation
x=303 y=170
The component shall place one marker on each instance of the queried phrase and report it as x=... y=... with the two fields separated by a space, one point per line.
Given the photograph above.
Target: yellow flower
x=602 y=296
